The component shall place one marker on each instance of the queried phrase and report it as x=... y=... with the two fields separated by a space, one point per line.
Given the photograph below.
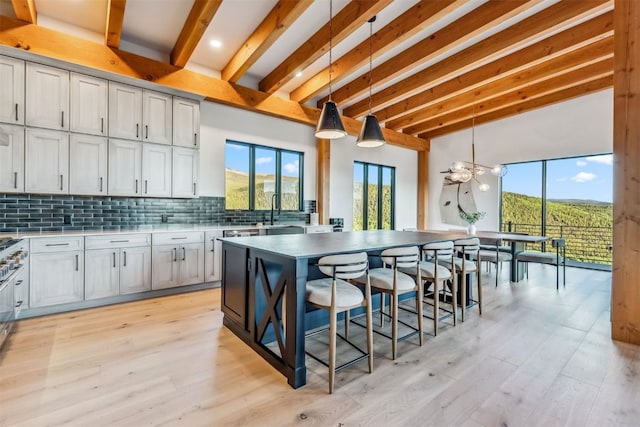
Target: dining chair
x=336 y=295
x=540 y=257
x=465 y=264
x=491 y=252
x=389 y=280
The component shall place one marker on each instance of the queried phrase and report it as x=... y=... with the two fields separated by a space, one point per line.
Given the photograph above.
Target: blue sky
x=589 y=178
x=237 y=157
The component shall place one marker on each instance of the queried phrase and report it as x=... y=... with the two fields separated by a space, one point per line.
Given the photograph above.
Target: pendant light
x=330 y=124
x=370 y=135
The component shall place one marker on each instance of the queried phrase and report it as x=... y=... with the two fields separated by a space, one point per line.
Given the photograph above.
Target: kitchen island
x=264 y=285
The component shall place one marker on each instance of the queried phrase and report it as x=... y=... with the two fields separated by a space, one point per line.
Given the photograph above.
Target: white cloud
x=581 y=163
x=584 y=177
x=606 y=159
x=291 y=167
x=263 y=160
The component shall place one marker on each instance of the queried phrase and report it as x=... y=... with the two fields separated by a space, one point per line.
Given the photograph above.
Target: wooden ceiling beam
x=283 y=14
x=84 y=53
x=449 y=37
x=554 y=66
x=115 y=18
x=200 y=16
x=542 y=23
x=355 y=14
x=557 y=83
x=543 y=101
x=25 y=10
x=414 y=20
x=578 y=38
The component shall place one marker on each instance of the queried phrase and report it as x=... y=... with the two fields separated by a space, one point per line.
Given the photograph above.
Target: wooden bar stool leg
x=394 y=324
x=369 y=328
x=332 y=347
x=436 y=306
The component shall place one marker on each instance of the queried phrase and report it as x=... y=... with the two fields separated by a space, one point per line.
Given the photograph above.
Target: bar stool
x=465 y=264
x=490 y=252
x=556 y=259
x=393 y=282
x=336 y=295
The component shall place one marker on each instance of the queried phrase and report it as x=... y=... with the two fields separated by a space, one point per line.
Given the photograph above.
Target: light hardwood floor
x=536 y=357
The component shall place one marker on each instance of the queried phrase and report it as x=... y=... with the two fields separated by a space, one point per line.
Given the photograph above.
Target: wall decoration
x=454 y=198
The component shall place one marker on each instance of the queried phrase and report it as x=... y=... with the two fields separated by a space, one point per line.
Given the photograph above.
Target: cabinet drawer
x=57 y=244
x=318 y=229
x=178 y=238
x=109 y=241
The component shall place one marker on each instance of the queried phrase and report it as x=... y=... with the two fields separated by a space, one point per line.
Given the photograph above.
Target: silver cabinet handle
x=194 y=188
x=179 y=238
x=175 y=254
x=77 y=262
x=136 y=186
x=19 y=282
x=61 y=184
x=114 y=260
x=101 y=184
x=15 y=180
x=146 y=186
x=195 y=139
x=102 y=125
x=18 y=304
x=213 y=242
x=17 y=112
x=57 y=244
x=137 y=130
x=125 y=258
x=119 y=241
x=146 y=131
x=62 y=120
x=184 y=254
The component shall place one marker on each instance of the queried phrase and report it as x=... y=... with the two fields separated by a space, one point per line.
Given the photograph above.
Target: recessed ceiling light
x=216 y=43
x=299 y=74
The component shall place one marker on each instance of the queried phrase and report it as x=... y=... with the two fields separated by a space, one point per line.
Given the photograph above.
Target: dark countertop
x=321 y=244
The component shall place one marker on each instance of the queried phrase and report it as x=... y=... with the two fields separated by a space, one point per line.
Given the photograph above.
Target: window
x=254 y=174
x=373 y=205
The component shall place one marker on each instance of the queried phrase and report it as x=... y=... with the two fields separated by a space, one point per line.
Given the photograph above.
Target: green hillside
x=587 y=225
x=237 y=191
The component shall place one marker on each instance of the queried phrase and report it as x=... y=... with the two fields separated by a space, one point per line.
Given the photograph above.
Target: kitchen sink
x=282 y=229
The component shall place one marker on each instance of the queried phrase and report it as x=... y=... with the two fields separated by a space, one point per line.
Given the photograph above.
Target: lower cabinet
x=178 y=259
x=117 y=271
x=235 y=286
x=56 y=271
x=213 y=256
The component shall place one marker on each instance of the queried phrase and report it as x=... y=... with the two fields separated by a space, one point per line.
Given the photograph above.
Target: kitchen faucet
x=273 y=202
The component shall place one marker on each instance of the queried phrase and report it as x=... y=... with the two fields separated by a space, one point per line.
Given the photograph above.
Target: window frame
x=365 y=194
x=278 y=175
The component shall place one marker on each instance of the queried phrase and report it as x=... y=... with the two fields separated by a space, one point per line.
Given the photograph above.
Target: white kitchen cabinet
x=156 y=170
x=87 y=164
x=11 y=90
x=185 y=172
x=117 y=265
x=56 y=271
x=88 y=104
x=186 y=123
x=157 y=113
x=125 y=168
x=46 y=161
x=177 y=259
x=125 y=111
x=47 y=97
x=213 y=256
x=11 y=159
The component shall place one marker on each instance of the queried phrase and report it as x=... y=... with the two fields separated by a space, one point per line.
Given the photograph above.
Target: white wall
x=581 y=126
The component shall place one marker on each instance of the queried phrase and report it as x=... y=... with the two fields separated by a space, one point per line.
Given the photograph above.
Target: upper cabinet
x=47 y=103
x=46 y=161
x=156 y=117
x=11 y=159
x=186 y=123
x=125 y=111
x=88 y=105
x=11 y=90
x=87 y=164
x=138 y=114
x=185 y=172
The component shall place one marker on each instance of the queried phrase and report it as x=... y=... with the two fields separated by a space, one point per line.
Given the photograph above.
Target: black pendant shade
x=330 y=124
x=370 y=134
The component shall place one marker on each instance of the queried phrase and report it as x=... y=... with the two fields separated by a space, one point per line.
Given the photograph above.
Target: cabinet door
x=88 y=104
x=11 y=159
x=185 y=172
x=157 y=115
x=165 y=262
x=47 y=97
x=135 y=270
x=46 y=161
x=101 y=273
x=125 y=111
x=186 y=123
x=125 y=161
x=87 y=164
x=156 y=170
x=191 y=258
x=56 y=278
x=11 y=90
x=212 y=256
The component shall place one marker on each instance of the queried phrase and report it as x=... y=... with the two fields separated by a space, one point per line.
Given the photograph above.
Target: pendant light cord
x=370 y=58
x=473 y=141
x=330 y=43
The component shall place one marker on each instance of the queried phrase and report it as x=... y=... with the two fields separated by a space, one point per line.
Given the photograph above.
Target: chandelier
x=464 y=171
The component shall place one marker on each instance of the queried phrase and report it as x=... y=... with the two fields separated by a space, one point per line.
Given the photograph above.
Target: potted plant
x=471 y=218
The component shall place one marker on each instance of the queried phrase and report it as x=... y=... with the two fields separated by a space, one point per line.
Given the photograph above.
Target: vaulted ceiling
x=436 y=65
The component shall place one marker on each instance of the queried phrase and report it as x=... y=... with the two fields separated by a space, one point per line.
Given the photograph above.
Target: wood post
x=423 y=189
x=625 y=296
x=323 y=180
